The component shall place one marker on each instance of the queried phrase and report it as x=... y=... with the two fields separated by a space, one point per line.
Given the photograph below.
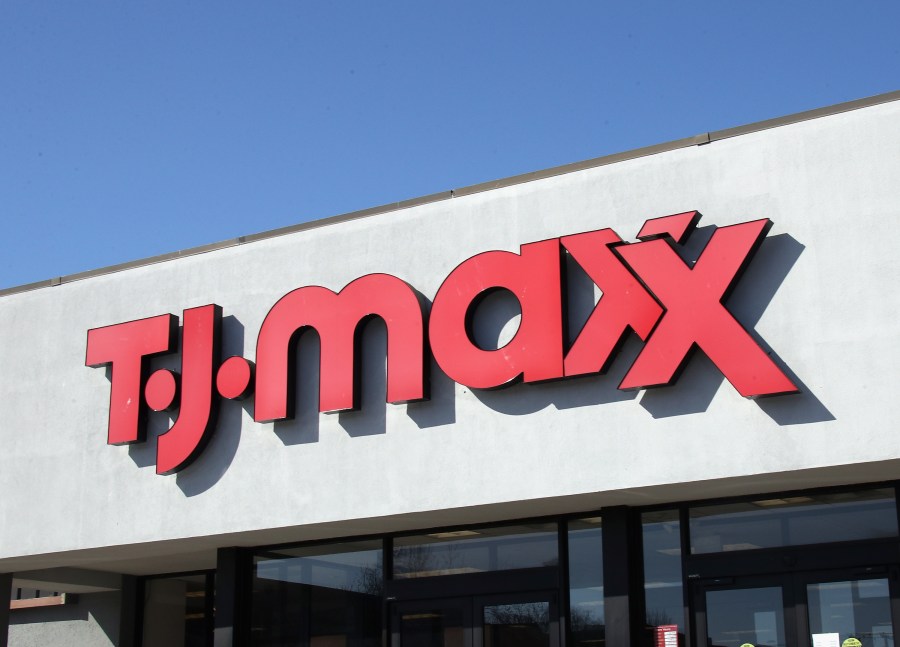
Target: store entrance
x=821 y=609
x=508 y=620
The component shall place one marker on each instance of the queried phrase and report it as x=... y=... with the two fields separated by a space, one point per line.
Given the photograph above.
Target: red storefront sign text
x=647 y=289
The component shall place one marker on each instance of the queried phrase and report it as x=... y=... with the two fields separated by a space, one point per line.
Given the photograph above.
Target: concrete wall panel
x=821 y=293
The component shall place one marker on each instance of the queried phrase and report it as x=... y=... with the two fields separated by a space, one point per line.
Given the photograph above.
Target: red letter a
x=535 y=353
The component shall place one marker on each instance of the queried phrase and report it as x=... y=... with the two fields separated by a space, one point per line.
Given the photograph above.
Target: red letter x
x=695 y=314
x=625 y=303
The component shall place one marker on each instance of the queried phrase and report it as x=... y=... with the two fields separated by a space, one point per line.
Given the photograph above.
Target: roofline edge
x=696 y=140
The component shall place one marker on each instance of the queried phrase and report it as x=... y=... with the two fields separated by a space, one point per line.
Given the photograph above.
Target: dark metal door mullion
x=894 y=592
x=795 y=620
x=698 y=593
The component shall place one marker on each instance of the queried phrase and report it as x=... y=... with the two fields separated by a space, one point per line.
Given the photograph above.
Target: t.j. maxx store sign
x=647 y=288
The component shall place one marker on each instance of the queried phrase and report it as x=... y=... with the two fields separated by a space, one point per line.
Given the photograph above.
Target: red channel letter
x=695 y=314
x=535 y=353
x=200 y=353
x=338 y=319
x=625 y=303
x=126 y=347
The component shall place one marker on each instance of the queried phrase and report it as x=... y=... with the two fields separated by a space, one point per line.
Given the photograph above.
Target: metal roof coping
x=696 y=140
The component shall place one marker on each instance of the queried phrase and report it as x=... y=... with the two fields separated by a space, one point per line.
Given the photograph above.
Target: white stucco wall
x=821 y=292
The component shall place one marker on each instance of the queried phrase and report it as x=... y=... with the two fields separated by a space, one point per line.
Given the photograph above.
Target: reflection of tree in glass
x=581 y=619
x=452 y=557
x=368 y=580
x=536 y=614
x=659 y=617
x=411 y=559
x=427 y=559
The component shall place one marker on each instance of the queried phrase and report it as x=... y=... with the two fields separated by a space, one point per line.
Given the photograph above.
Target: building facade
x=641 y=400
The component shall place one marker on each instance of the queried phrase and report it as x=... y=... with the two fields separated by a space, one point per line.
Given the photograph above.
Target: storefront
x=563 y=410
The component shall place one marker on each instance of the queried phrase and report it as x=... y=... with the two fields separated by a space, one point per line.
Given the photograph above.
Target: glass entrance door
x=804 y=609
x=749 y=611
x=515 y=620
x=852 y=608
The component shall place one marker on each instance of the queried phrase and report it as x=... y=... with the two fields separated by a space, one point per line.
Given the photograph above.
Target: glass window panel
x=175 y=612
x=737 y=617
x=663 y=592
x=517 y=625
x=793 y=521
x=586 y=612
x=476 y=551
x=858 y=609
x=318 y=596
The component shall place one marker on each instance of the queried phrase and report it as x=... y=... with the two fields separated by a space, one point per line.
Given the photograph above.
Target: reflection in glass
x=517 y=625
x=736 y=617
x=176 y=612
x=318 y=596
x=663 y=593
x=586 y=611
x=475 y=551
x=793 y=521
x=437 y=627
x=858 y=609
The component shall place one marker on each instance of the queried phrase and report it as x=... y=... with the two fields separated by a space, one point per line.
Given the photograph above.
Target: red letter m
x=339 y=319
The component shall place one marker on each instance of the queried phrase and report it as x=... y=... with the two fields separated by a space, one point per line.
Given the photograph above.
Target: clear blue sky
x=129 y=129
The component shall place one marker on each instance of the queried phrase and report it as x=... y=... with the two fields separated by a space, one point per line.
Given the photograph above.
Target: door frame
x=701 y=587
x=886 y=572
x=794 y=596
